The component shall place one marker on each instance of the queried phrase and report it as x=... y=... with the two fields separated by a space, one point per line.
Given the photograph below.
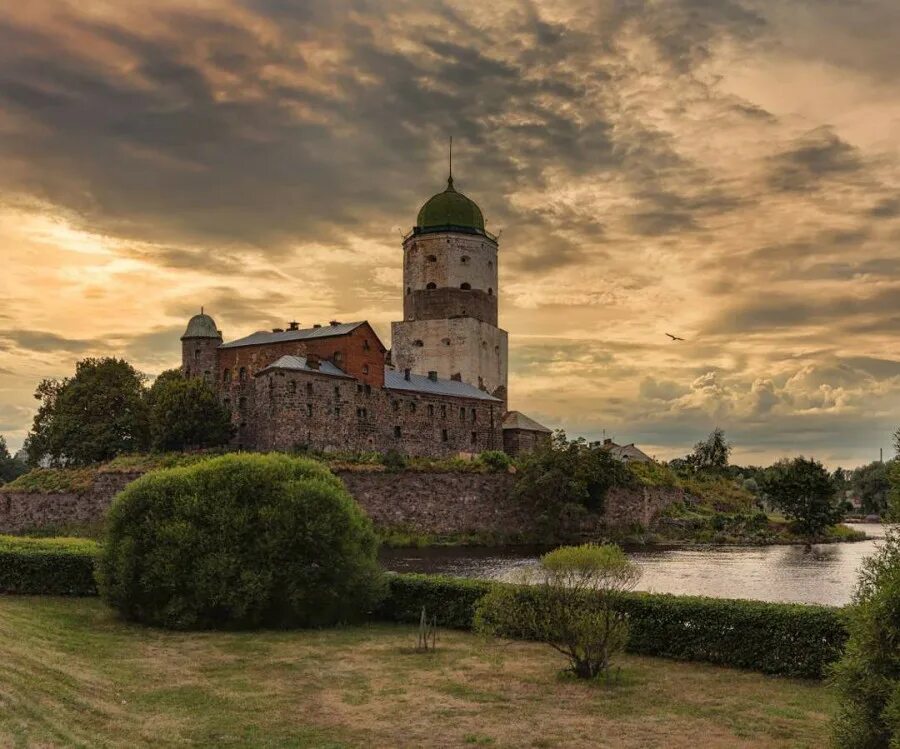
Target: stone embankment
x=428 y=503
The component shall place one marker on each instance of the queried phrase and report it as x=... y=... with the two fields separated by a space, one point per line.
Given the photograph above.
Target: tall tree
x=712 y=454
x=10 y=467
x=872 y=484
x=93 y=416
x=803 y=490
x=186 y=414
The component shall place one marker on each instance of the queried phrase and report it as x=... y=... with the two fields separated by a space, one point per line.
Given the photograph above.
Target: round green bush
x=240 y=541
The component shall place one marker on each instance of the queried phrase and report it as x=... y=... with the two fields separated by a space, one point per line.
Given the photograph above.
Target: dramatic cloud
x=726 y=171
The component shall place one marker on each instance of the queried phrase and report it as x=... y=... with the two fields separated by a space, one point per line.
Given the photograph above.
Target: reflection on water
x=824 y=574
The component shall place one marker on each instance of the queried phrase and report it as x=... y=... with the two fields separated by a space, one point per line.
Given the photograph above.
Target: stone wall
x=440 y=504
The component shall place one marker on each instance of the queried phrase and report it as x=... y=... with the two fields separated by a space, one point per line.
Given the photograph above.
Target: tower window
x=464 y=259
x=432 y=259
x=490 y=292
x=309 y=388
x=465 y=286
x=397 y=433
x=365 y=369
x=444 y=435
x=412 y=407
x=418 y=343
x=196 y=353
x=366 y=344
x=408 y=290
x=490 y=263
x=445 y=341
x=431 y=285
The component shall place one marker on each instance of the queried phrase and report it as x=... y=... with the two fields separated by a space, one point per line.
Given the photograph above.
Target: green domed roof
x=201 y=326
x=450 y=210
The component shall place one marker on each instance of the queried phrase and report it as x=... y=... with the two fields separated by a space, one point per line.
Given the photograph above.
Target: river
x=825 y=574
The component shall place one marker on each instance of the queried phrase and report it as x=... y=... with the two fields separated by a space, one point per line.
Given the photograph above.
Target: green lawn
x=72 y=675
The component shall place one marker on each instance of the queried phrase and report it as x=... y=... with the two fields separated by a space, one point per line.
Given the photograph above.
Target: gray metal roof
x=518 y=420
x=298 y=364
x=201 y=326
x=395 y=380
x=263 y=337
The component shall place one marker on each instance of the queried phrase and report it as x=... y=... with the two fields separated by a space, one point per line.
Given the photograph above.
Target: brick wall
x=427 y=503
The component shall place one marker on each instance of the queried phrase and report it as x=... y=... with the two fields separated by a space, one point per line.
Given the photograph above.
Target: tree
x=712 y=454
x=872 y=484
x=803 y=490
x=185 y=413
x=572 y=602
x=565 y=474
x=10 y=467
x=91 y=417
x=867 y=677
x=242 y=540
x=893 y=509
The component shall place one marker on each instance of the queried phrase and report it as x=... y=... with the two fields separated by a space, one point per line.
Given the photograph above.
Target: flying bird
x=674 y=337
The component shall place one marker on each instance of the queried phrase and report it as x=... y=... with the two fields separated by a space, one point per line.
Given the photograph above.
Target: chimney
x=313 y=361
x=293 y=325
x=406 y=374
x=278 y=330
x=432 y=375
x=607 y=442
x=335 y=322
x=317 y=325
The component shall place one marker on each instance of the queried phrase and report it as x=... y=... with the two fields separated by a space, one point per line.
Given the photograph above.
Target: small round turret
x=201 y=326
x=199 y=347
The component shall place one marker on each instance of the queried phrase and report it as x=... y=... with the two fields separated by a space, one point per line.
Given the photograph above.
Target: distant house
x=626 y=453
x=522 y=434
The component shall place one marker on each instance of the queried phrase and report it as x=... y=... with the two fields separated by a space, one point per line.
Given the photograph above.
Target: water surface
x=824 y=574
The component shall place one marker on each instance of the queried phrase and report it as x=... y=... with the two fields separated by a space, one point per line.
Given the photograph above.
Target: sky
x=724 y=170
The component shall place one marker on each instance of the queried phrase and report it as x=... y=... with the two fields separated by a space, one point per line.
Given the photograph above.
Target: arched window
x=465 y=286
x=431 y=285
x=432 y=259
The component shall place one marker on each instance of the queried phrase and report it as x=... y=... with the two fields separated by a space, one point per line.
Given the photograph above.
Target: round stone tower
x=450 y=296
x=199 y=347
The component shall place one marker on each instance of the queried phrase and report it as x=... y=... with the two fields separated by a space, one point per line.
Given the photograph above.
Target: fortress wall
x=443 y=504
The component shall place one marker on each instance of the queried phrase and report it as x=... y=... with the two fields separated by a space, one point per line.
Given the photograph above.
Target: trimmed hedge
x=48 y=566
x=774 y=638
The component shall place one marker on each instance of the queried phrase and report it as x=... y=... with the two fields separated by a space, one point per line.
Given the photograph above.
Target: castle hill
x=447 y=374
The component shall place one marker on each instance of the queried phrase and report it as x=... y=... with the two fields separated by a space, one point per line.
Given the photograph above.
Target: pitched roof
x=263 y=337
x=518 y=420
x=299 y=364
x=394 y=380
x=626 y=452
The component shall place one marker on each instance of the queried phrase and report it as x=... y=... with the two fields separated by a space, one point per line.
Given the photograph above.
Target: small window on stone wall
x=397 y=432
x=412 y=408
x=242 y=374
x=431 y=409
x=443 y=411
x=366 y=344
x=293 y=387
x=462 y=413
x=226 y=375
x=474 y=415
x=396 y=405
x=309 y=409
x=418 y=343
x=431 y=285
x=359 y=388
x=490 y=263
x=196 y=353
x=365 y=369
x=465 y=286
x=338 y=358
x=337 y=410
x=490 y=292
x=309 y=388
x=474 y=437
x=445 y=341
x=432 y=259
x=337 y=391
x=242 y=403
x=408 y=291
x=444 y=435
x=464 y=259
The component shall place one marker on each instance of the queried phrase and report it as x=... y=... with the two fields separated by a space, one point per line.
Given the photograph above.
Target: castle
x=440 y=391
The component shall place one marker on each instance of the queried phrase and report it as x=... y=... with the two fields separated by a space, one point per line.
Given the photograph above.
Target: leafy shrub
x=496 y=460
x=241 y=540
x=47 y=566
x=776 y=638
x=186 y=413
x=574 y=605
x=868 y=676
x=393 y=460
x=54 y=480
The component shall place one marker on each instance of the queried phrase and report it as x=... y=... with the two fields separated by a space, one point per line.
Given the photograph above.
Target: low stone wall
x=441 y=504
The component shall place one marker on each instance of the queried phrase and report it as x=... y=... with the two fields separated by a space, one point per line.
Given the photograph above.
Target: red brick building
x=333 y=388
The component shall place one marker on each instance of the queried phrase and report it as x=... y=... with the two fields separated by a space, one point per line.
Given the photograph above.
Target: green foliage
x=776 y=638
x=47 y=566
x=653 y=474
x=711 y=455
x=393 y=460
x=91 y=417
x=872 y=485
x=143 y=462
x=54 y=480
x=496 y=460
x=185 y=414
x=868 y=676
x=10 y=468
x=569 y=475
x=575 y=605
x=803 y=490
x=242 y=541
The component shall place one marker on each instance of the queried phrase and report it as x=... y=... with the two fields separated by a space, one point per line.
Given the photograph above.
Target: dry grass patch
x=75 y=676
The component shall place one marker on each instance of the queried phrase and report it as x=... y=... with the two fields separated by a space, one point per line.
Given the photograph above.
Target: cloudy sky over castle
x=725 y=170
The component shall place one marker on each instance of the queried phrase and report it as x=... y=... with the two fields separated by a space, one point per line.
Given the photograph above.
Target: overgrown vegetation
x=868 y=676
x=803 y=490
x=575 y=604
x=54 y=480
x=10 y=467
x=239 y=541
